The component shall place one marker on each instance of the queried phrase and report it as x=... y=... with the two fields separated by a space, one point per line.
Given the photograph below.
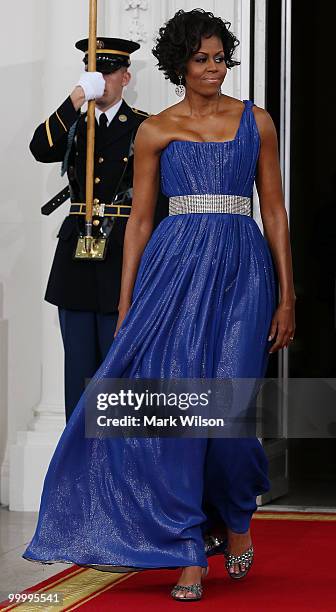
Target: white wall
x=38 y=68
x=21 y=63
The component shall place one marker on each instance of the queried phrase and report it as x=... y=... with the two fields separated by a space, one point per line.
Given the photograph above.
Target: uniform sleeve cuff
x=66 y=114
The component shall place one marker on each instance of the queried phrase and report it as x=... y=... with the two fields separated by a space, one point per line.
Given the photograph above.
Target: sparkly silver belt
x=210 y=203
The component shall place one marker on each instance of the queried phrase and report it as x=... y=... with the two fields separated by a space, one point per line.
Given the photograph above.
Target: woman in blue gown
x=198 y=300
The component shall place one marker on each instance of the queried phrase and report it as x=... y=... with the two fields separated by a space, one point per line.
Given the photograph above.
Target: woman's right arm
x=139 y=226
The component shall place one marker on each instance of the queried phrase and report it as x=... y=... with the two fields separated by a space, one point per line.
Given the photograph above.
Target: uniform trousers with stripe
x=87 y=337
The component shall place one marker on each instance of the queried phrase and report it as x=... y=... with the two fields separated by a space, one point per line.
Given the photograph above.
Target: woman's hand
x=122 y=314
x=283 y=326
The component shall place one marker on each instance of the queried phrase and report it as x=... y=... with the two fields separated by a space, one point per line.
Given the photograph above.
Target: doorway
x=311 y=463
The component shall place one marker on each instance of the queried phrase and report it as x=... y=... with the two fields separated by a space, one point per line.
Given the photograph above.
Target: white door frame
x=285 y=133
x=276 y=448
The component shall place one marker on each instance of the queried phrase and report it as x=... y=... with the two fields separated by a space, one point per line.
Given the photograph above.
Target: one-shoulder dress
x=202 y=306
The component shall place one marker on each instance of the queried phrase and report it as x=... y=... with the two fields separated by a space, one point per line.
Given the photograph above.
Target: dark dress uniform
x=87 y=291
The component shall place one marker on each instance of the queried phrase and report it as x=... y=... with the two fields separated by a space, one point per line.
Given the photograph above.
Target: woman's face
x=206 y=69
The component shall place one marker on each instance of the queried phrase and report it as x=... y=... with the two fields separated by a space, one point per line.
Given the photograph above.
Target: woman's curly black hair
x=181 y=37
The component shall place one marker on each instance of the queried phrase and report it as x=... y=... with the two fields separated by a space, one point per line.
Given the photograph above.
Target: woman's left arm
x=275 y=222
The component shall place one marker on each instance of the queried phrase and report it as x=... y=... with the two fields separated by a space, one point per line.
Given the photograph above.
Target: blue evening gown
x=202 y=306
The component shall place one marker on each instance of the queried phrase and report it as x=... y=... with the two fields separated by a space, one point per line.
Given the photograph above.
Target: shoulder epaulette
x=140 y=112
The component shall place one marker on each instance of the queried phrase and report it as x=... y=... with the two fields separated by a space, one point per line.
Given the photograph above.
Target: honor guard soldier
x=87 y=291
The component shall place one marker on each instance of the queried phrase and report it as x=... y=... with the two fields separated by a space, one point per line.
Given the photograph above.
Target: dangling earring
x=180 y=89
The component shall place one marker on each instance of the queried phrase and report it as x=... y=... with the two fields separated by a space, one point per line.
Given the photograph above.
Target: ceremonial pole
x=90 y=128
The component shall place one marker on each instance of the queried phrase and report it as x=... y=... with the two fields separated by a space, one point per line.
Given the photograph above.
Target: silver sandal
x=195 y=588
x=192 y=588
x=246 y=558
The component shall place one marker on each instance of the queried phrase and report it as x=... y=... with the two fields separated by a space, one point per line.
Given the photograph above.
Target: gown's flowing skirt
x=202 y=307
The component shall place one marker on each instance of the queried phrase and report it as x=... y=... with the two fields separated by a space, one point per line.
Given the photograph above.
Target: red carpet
x=293 y=571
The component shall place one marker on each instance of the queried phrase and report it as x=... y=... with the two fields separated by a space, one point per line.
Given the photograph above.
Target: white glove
x=93 y=85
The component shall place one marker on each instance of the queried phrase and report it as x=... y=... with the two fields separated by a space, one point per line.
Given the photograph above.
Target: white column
x=4 y=463
x=66 y=22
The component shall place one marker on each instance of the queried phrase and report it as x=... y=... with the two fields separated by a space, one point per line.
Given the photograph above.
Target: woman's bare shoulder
x=264 y=121
x=232 y=103
x=148 y=136
x=156 y=129
x=167 y=115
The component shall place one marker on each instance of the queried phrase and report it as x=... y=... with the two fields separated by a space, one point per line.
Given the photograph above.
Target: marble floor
x=16 y=530
x=16 y=573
